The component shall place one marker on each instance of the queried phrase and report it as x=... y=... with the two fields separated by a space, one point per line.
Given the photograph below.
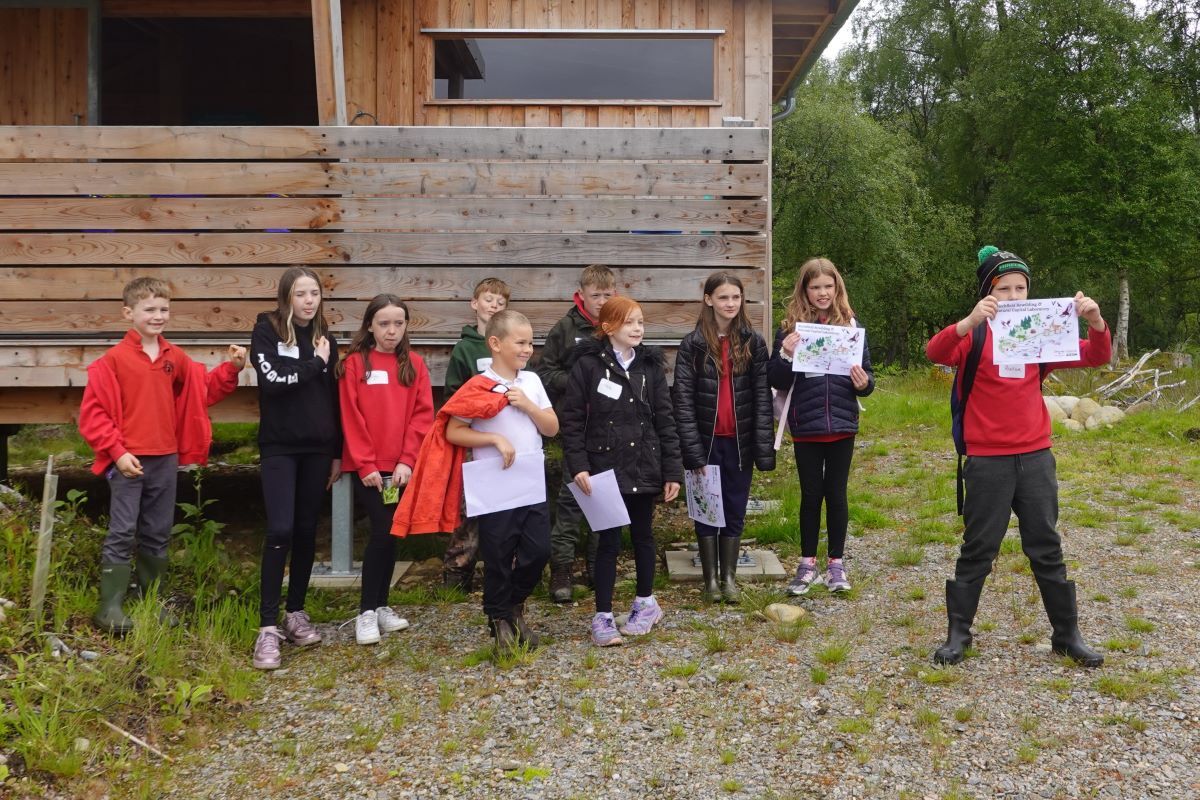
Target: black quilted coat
x=696 y=386
x=823 y=404
x=633 y=433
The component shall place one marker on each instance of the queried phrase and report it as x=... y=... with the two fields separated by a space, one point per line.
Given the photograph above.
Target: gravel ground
x=417 y=718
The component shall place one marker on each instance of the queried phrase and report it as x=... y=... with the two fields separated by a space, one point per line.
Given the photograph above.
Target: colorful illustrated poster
x=830 y=349
x=704 y=496
x=1035 y=331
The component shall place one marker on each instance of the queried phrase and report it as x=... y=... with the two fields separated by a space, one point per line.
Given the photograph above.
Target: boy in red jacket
x=1009 y=466
x=144 y=415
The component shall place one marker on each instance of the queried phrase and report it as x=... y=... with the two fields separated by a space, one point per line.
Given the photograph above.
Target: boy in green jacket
x=470 y=357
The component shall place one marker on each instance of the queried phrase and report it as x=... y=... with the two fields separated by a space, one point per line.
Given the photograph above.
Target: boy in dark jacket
x=470 y=357
x=1009 y=465
x=597 y=285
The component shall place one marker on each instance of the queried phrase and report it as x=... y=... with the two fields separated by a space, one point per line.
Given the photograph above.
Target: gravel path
x=421 y=717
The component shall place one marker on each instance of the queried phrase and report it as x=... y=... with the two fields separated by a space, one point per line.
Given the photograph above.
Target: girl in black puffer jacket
x=723 y=411
x=823 y=419
x=617 y=415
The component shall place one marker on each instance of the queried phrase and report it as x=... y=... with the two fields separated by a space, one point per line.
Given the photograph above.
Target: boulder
x=1084 y=409
x=1067 y=402
x=782 y=612
x=1072 y=425
x=1138 y=408
x=1056 y=411
x=1105 y=417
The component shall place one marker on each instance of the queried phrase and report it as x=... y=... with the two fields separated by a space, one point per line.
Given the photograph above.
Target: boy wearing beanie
x=1009 y=467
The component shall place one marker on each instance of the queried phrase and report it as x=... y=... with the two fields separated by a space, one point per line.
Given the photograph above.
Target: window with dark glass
x=573 y=68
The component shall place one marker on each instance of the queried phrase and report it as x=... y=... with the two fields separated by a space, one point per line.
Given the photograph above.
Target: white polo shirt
x=511 y=423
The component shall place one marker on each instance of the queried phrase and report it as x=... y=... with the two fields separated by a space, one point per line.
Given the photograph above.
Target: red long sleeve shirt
x=1007 y=416
x=383 y=421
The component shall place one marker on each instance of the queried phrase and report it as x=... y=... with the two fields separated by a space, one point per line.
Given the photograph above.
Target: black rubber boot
x=152 y=571
x=525 y=634
x=560 y=583
x=708 y=566
x=962 y=600
x=114 y=583
x=729 y=548
x=1065 y=639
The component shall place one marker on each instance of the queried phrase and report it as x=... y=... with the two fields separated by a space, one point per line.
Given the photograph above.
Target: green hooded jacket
x=469 y=357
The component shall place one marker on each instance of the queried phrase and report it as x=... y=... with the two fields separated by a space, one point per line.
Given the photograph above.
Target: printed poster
x=828 y=349
x=1035 y=331
x=704 y=501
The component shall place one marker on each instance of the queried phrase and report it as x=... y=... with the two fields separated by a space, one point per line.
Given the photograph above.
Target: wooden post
x=327 y=53
x=41 y=569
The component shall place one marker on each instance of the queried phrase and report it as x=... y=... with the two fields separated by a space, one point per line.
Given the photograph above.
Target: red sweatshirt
x=1007 y=416
x=383 y=421
x=150 y=408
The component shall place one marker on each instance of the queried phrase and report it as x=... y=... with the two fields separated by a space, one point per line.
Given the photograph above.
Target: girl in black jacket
x=823 y=420
x=300 y=446
x=723 y=411
x=617 y=415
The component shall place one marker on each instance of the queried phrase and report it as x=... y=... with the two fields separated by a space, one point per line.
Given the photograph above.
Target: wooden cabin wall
x=389 y=62
x=43 y=66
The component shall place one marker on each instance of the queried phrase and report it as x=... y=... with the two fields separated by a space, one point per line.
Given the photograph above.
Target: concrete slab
x=324 y=577
x=763 y=565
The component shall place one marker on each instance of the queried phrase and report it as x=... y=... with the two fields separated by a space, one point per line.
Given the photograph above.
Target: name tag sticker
x=482 y=363
x=1012 y=370
x=377 y=377
x=609 y=388
x=290 y=352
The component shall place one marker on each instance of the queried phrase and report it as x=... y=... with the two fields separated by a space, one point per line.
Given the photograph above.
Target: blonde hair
x=597 y=275
x=798 y=307
x=144 y=288
x=502 y=323
x=493 y=285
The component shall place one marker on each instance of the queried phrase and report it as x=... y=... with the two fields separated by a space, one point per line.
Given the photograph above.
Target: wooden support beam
x=206 y=8
x=328 y=55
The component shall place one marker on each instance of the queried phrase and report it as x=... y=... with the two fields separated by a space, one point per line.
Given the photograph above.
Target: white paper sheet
x=827 y=349
x=489 y=487
x=704 y=501
x=604 y=507
x=1035 y=331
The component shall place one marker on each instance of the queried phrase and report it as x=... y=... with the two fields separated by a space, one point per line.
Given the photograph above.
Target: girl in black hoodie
x=723 y=410
x=300 y=444
x=617 y=415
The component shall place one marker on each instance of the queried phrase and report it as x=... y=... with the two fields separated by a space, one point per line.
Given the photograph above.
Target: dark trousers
x=379 y=558
x=564 y=536
x=515 y=545
x=141 y=510
x=735 y=487
x=641 y=532
x=824 y=469
x=293 y=493
x=997 y=487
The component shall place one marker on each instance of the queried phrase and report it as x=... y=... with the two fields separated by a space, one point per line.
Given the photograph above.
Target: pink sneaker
x=299 y=630
x=642 y=617
x=266 y=648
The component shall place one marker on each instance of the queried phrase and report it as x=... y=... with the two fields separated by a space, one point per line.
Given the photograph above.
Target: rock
x=782 y=612
x=340 y=767
x=1067 y=403
x=1106 y=417
x=1138 y=408
x=1056 y=412
x=89 y=655
x=1072 y=425
x=82 y=745
x=1084 y=409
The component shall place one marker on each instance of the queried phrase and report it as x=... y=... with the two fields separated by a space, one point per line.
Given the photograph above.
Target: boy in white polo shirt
x=515 y=544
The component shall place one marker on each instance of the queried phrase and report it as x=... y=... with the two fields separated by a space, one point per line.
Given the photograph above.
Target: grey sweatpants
x=997 y=487
x=141 y=509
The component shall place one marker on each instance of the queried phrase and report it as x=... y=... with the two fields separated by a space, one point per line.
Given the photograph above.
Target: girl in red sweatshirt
x=387 y=408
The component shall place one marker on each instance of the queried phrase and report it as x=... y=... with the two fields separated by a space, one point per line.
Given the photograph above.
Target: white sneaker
x=389 y=620
x=366 y=628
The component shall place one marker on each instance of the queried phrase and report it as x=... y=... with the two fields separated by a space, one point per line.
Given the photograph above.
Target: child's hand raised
x=984 y=309
x=859 y=377
x=321 y=349
x=788 y=345
x=237 y=355
x=1089 y=309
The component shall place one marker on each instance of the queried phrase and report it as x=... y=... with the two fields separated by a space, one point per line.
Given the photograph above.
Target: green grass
x=833 y=654
x=910 y=556
x=1140 y=684
x=683 y=669
x=1139 y=625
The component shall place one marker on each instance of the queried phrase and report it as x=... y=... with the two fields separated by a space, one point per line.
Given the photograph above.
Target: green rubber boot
x=114 y=582
x=152 y=571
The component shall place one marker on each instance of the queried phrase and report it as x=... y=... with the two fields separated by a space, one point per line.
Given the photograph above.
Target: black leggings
x=824 y=469
x=379 y=559
x=641 y=531
x=293 y=490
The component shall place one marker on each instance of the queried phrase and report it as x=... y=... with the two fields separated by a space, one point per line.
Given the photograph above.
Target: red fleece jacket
x=432 y=501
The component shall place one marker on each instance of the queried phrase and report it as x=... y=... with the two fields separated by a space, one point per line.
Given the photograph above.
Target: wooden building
x=412 y=146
